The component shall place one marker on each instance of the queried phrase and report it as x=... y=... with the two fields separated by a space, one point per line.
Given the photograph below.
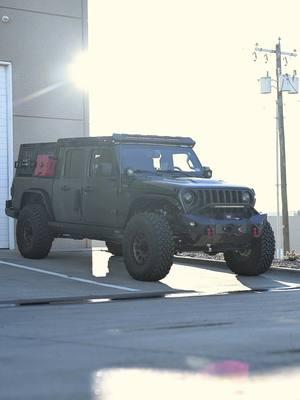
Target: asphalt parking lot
x=92 y=274
x=76 y=326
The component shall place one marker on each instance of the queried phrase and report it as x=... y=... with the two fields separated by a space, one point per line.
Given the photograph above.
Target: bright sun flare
x=79 y=71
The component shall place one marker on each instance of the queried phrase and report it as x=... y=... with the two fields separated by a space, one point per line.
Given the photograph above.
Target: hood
x=165 y=183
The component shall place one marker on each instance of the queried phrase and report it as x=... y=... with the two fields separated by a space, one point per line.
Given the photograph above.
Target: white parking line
x=64 y=276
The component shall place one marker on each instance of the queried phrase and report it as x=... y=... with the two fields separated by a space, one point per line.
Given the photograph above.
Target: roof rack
x=127 y=138
x=85 y=141
x=153 y=139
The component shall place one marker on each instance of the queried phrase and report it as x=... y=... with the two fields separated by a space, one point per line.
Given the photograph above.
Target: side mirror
x=129 y=172
x=207 y=172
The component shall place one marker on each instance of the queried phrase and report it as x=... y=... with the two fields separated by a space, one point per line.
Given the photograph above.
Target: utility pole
x=280 y=122
x=284 y=200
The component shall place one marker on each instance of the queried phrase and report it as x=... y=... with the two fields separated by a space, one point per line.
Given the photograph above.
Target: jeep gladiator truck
x=148 y=197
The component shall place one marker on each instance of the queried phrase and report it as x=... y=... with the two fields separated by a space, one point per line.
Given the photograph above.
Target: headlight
x=189 y=198
x=246 y=197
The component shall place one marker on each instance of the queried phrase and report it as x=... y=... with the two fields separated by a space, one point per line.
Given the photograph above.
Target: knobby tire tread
x=43 y=237
x=164 y=246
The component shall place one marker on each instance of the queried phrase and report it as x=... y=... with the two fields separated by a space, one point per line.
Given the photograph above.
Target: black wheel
x=115 y=248
x=148 y=247
x=34 y=237
x=255 y=260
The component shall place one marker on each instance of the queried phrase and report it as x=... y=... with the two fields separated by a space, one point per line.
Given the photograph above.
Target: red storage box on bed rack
x=45 y=165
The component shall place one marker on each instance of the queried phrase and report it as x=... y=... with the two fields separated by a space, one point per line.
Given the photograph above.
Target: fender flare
x=45 y=200
x=144 y=201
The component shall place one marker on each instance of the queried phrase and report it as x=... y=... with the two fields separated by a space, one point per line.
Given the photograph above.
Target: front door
x=67 y=188
x=100 y=191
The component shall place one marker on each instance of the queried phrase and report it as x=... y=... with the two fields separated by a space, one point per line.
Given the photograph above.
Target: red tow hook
x=210 y=231
x=256 y=231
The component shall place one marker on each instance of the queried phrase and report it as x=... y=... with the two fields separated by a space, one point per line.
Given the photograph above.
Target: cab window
x=74 y=163
x=101 y=163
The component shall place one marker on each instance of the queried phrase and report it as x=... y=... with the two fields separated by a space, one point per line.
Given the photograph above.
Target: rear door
x=67 y=188
x=100 y=191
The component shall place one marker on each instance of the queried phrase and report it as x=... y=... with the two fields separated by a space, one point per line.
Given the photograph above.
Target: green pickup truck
x=148 y=197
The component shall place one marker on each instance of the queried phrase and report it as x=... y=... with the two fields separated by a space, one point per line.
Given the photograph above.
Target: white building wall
x=4 y=232
x=294 y=225
x=40 y=39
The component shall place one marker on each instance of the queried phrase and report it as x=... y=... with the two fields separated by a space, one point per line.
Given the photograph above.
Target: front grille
x=219 y=196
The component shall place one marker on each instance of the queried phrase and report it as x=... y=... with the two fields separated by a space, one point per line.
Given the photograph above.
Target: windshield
x=160 y=158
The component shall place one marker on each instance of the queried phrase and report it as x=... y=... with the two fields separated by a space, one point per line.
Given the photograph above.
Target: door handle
x=65 y=188
x=88 y=189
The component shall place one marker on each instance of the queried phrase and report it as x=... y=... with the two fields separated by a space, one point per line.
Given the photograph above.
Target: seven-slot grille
x=219 y=196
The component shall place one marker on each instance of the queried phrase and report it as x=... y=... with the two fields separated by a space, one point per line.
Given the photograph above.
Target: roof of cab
x=127 y=138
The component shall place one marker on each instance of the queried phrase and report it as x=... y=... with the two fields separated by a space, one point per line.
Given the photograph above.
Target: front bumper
x=215 y=235
x=10 y=211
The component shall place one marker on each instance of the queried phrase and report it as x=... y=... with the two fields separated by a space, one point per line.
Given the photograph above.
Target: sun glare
x=79 y=71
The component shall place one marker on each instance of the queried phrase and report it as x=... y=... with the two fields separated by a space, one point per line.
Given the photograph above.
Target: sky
x=185 y=68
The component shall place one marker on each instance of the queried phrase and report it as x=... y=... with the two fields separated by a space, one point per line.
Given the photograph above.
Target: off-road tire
x=158 y=241
x=259 y=257
x=115 y=248
x=34 y=237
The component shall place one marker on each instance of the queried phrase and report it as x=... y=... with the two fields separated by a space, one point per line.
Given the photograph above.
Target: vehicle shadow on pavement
x=262 y=282
x=115 y=271
x=266 y=281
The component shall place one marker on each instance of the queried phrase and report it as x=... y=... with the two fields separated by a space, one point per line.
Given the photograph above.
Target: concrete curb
x=222 y=265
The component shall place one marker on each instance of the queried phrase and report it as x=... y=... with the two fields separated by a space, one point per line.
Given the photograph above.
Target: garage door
x=4 y=238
